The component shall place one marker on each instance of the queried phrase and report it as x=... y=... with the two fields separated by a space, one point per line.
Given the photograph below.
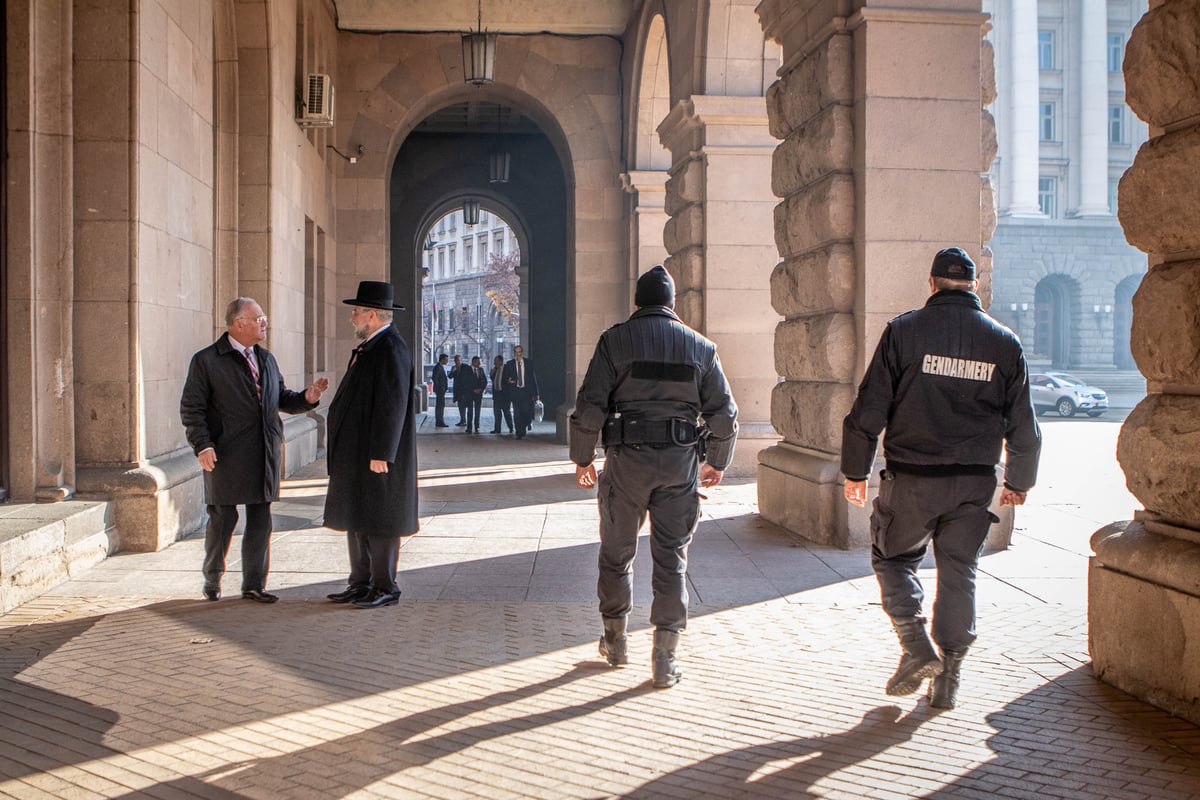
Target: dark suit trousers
x=502 y=406
x=439 y=417
x=522 y=410
x=373 y=561
x=474 y=407
x=256 y=544
x=463 y=405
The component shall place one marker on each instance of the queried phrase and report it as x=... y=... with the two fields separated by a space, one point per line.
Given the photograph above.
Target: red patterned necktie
x=253 y=371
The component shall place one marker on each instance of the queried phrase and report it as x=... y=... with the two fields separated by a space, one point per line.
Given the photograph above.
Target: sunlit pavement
x=485 y=682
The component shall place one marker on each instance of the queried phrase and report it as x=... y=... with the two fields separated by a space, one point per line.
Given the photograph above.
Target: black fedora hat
x=374 y=294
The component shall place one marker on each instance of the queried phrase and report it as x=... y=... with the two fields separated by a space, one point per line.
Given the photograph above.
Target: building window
x=483 y=218
x=483 y=251
x=441 y=262
x=1046 y=122
x=498 y=243
x=1048 y=196
x=1116 y=51
x=1116 y=125
x=468 y=254
x=1113 y=183
x=1045 y=50
x=454 y=259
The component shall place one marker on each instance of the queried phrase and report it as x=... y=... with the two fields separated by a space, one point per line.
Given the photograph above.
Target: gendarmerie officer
x=951 y=386
x=654 y=392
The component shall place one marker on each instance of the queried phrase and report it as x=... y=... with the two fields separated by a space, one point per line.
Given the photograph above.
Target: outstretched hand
x=313 y=393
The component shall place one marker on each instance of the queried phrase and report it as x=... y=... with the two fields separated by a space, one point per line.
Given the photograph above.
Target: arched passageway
x=1123 y=321
x=444 y=162
x=1055 y=301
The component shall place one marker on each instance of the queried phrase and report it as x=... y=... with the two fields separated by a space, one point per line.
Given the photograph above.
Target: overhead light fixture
x=471 y=212
x=479 y=53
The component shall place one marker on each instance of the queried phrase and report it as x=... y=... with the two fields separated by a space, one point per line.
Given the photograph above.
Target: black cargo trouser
x=661 y=481
x=950 y=511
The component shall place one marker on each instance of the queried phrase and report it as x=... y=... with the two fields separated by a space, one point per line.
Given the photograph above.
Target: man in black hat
x=372 y=451
x=653 y=392
x=951 y=386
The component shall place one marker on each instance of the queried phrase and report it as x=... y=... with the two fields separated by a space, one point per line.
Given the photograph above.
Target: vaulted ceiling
x=578 y=17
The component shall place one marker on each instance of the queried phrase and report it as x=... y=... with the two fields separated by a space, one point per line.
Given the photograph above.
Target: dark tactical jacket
x=654 y=367
x=951 y=386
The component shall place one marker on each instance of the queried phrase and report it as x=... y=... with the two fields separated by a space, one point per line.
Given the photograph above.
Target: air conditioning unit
x=317 y=111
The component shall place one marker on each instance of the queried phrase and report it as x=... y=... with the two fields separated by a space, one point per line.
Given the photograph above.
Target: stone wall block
x=818 y=282
x=819 y=348
x=820 y=214
x=1162 y=64
x=822 y=79
x=983 y=272
x=811 y=413
x=822 y=145
x=1157 y=450
x=987 y=209
x=1160 y=193
x=1166 y=323
x=685 y=186
x=987 y=70
x=687 y=268
x=684 y=229
x=988 y=143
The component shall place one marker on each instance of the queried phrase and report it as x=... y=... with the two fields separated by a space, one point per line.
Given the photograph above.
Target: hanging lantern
x=471 y=212
x=498 y=167
x=479 y=53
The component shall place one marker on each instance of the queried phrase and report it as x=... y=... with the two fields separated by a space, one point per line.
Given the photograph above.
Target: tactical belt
x=627 y=430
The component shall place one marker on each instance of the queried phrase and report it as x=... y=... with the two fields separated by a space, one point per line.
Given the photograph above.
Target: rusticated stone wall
x=1144 y=596
x=879 y=165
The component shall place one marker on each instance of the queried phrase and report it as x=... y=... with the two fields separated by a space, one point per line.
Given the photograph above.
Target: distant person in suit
x=520 y=382
x=500 y=402
x=372 y=452
x=478 y=384
x=462 y=393
x=440 y=386
x=230 y=409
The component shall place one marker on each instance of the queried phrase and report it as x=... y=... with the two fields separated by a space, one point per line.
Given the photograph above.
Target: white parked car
x=1066 y=394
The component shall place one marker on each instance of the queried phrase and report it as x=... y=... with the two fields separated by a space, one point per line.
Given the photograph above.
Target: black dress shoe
x=258 y=596
x=212 y=592
x=350 y=595
x=378 y=600
x=442 y=425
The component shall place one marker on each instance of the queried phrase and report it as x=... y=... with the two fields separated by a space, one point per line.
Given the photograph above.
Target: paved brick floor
x=484 y=681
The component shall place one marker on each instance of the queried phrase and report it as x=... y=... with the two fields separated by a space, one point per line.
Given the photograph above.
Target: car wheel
x=1095 y=413
x=1065 y=407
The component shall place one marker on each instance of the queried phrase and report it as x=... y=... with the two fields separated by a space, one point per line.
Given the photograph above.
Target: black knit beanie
x=655 y=288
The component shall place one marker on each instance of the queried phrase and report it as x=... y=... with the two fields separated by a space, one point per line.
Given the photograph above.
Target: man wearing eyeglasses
x=230 y=410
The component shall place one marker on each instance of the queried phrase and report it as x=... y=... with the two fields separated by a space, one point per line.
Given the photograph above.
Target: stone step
x=42 y=545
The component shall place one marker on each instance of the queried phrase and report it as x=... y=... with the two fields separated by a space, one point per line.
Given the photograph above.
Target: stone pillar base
x=159 y=501
x=801 y=490
x=1144 y=613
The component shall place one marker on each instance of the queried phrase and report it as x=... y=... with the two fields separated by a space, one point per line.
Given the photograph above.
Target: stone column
x=40 y=252
x=1093 y=112
x=1023 y=109
x=649 y=189
x=863 y=211
x=719 y=238
x=1144 y=583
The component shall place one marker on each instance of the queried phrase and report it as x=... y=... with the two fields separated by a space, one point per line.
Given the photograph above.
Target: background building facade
x=1064 y=275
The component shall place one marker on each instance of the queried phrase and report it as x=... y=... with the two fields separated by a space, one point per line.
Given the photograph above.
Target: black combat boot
x=919 y=661
x=666 y=674
x=943 y=689
x=613 y=642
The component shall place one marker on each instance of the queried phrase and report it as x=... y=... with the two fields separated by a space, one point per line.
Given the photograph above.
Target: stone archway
x=401 y=78
x=1055 y=315
x=1123 y=321
x=649 y=104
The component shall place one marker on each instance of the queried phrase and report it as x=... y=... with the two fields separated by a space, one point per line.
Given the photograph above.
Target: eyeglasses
x=259 y=320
